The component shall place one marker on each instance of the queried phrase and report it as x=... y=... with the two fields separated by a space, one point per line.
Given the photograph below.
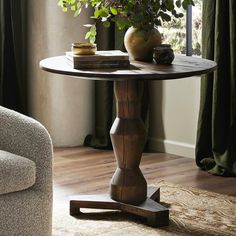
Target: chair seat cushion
x=16 y=173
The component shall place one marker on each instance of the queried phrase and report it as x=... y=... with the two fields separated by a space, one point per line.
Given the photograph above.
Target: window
x=184 y=34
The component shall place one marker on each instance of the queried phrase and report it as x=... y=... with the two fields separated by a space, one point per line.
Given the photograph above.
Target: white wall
x=63 y=104
x=174 y=114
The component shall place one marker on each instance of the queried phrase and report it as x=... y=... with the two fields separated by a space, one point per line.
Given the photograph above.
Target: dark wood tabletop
x=182 y=66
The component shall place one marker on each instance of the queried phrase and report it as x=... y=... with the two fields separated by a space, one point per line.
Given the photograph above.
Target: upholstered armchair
x=25 y=176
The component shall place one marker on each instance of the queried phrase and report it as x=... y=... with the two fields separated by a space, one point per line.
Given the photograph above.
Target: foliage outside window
x=174 y=32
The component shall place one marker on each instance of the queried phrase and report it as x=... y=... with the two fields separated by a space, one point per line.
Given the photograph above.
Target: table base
x=155 y=214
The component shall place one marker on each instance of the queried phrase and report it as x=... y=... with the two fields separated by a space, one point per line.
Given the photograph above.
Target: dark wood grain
x=182 y=67
x=128 y=137
x=128 y=186
x=153 y=212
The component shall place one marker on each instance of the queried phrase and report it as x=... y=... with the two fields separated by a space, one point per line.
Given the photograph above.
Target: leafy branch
x=141 y=14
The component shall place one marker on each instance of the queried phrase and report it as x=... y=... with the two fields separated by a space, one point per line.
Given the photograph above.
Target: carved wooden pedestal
x=128 y=189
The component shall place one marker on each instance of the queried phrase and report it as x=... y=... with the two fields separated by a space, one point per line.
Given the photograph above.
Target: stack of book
x=102 y=59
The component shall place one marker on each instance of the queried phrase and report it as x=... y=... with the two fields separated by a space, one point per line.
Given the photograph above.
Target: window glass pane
x=174 y=33
x=197 y=27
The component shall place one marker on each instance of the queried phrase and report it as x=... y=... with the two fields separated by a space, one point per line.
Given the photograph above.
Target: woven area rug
x=192 y=212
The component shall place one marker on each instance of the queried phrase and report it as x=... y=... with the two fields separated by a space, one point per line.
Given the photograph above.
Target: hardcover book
x=102 y=59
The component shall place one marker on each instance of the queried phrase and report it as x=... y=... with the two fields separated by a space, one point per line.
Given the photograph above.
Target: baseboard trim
x=172 y=147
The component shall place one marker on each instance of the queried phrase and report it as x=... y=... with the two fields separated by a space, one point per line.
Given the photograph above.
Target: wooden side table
x=128 y=187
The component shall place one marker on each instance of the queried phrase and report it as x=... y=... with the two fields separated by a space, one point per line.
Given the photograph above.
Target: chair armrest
x=26 y=137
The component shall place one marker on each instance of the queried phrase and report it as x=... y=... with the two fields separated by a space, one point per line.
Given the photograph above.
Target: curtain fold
x=13 y=86
x=216 y=135
x=105 y=107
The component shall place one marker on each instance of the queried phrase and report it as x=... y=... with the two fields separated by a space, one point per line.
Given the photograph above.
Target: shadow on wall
x=156 y=91
x=62 y=104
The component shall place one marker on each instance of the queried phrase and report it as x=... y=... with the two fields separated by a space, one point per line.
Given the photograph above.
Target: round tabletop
x=182 y=66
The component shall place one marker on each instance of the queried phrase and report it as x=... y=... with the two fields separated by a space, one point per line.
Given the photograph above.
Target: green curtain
x=12 y=55
x=105 y=108
x=216 y=135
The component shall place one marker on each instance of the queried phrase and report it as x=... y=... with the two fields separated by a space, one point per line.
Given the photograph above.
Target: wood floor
x=85 y=170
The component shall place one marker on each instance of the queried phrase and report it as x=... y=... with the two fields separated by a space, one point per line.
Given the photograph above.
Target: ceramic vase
x=139 y=44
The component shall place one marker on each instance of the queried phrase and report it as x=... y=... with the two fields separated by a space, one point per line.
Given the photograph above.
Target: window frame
x=189 y=28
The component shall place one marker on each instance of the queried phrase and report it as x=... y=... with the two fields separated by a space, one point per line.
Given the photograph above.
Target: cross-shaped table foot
x=155 y=214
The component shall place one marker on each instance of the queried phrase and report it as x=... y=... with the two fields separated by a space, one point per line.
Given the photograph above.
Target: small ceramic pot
x=83 y=48
x=163 y=54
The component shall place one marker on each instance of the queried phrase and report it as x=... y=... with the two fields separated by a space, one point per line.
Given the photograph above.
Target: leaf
x=185 y=4
x=73 y=8
x=106 y=24
x=77 y=12
x=60 y=3
x=164 y=16
x=143 y=14
x=120 y=25
x=92 y=39
x=174 y=12
x=87 y=35
x=157 y=22
x=192 y=2
x=188 y=2
x=180 y=15
x=121 y=22
x=96 y=13
x=93 y=28
x=113 y=11
x=104 y=12
x=178 y=3
x=169 y=5
x=64 y=9
x=97 y=4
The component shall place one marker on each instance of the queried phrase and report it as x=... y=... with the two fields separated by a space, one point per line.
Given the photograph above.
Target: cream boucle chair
x=25 y=176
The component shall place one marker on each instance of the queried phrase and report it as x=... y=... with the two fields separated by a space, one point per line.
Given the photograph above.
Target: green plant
x=141 y=14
